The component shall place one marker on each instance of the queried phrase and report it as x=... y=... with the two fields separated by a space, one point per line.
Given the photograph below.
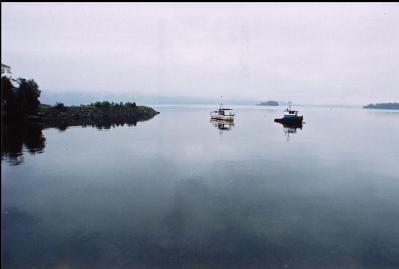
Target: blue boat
x=290 y=117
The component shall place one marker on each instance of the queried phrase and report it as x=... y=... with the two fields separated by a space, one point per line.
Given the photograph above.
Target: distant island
x=20 y=105
x=268 y=103
x=383 y=106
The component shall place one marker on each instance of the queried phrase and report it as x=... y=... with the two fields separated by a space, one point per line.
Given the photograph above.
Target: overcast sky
x=334 y=53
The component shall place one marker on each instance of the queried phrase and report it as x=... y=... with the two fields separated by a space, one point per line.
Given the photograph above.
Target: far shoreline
x=387 y=106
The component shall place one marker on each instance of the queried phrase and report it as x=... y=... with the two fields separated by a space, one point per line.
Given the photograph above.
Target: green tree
x=60 y=106
x=7 y=92
x=27 y=96
x=8 y=96
x=5 y=69
x=128 y=104
x=105 y=104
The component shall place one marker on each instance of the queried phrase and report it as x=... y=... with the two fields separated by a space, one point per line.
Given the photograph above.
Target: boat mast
x=221 y=102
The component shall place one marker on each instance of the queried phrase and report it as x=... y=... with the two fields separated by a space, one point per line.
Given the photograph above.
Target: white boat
x=222 y=114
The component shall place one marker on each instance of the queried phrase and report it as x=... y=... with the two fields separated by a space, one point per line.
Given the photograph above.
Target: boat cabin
x=224 y=112
x=290 y=113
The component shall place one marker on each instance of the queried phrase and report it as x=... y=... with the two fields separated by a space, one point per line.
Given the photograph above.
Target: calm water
x=180 y=192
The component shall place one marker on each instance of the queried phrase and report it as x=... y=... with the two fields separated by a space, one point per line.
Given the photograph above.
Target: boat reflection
x=222 y=125
x=291 y=128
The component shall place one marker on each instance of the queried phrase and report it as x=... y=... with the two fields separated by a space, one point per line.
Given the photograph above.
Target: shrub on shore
x=108 y=104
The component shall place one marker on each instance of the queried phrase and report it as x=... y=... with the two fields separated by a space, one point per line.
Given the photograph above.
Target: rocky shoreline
x=55 y=116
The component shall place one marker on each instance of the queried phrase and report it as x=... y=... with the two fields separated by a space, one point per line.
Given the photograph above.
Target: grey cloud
x=309 y=52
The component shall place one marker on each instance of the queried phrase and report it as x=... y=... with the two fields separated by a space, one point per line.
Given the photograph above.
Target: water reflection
x=165 y=197
x=235 y=225
x=223 y=125
x=17 y=139
x=290 y=129
x=106 y=125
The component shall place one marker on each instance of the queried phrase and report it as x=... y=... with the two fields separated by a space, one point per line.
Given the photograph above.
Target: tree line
x=20 y=97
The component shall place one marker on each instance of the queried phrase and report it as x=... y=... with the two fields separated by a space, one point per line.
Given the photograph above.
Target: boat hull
x=292 y=121
x=222 y=118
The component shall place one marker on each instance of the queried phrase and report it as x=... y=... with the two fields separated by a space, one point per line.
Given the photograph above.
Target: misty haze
x=200 y=135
